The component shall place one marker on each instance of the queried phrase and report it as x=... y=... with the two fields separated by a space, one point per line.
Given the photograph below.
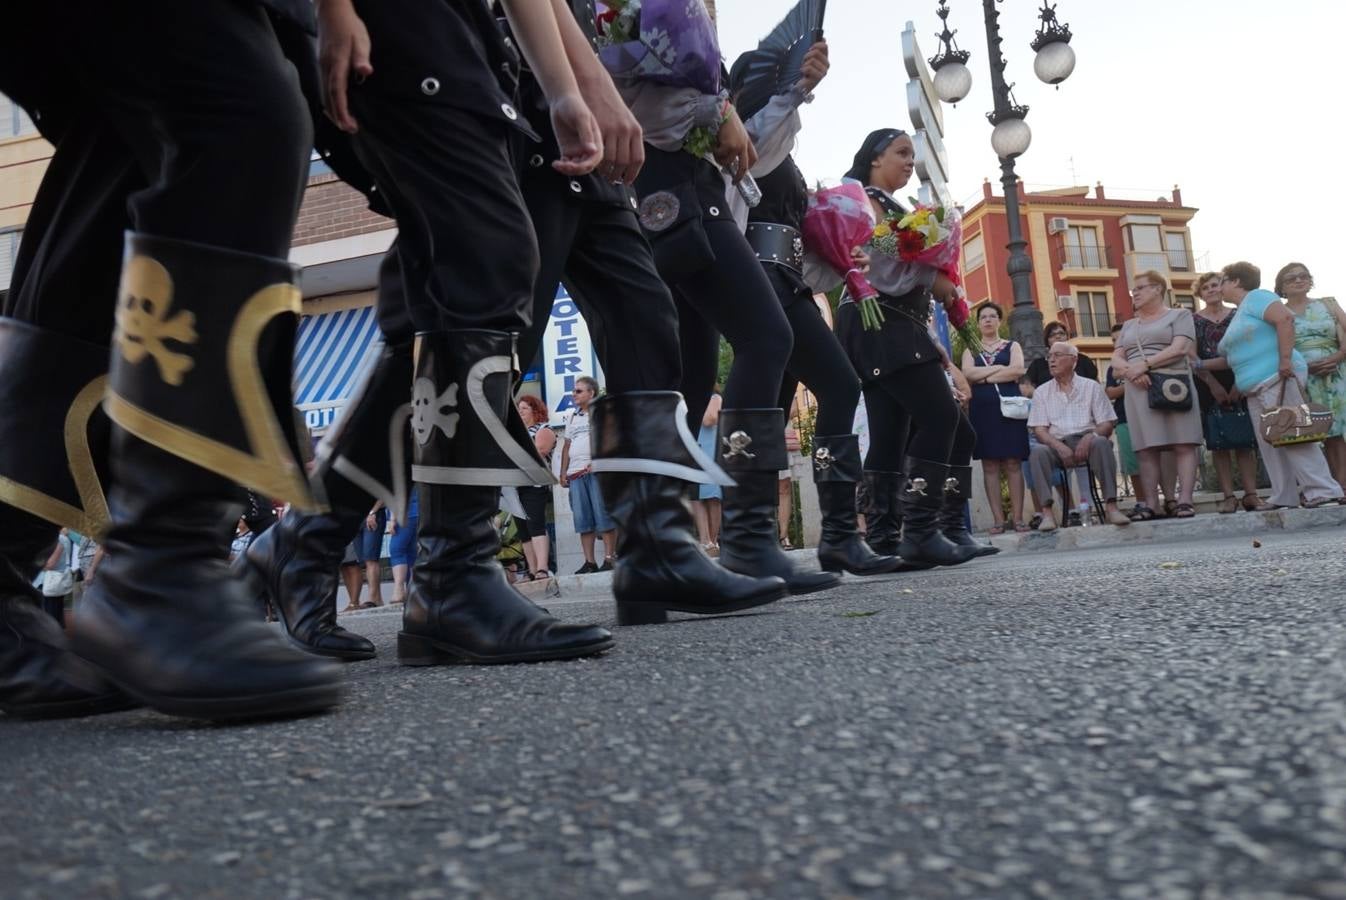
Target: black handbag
x=1170 y=388
x=671 y=221
x=1229 y=429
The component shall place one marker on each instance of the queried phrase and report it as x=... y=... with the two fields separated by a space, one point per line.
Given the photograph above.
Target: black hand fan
x=774 y=67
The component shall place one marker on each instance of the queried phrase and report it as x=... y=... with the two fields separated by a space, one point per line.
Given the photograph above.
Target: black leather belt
x=779 y=244
x=915 y=306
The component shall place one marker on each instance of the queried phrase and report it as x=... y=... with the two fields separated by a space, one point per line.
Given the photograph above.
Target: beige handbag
x=1305 y=423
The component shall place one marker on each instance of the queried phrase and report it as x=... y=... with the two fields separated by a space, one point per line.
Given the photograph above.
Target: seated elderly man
x=1073 y=421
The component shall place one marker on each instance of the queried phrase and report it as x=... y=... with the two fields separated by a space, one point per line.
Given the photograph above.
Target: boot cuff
x=751 y=440
x=836 y=457
x=646 y=432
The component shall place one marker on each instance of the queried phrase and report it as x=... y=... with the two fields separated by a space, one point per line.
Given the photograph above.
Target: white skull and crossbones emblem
x=143 y=322
x=429 y=410
x=822 y=459
x=736 y=445
x=951 y=485
x=918 y=486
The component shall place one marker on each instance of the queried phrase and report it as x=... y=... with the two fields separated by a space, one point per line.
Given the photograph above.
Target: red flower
x=958 y=313
x=910 y=244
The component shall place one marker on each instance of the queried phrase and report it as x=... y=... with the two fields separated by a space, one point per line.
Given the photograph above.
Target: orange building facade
x=1086 y=249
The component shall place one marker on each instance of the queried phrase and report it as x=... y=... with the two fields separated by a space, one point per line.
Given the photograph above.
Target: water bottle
x=749 y=191
x=1085 y=513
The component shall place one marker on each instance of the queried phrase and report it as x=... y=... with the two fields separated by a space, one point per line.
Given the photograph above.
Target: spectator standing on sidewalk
x=1260 y=346
x=706 y=507
x=58 y=577
x=1320 y=335
x=533 y=528
x=586 y=502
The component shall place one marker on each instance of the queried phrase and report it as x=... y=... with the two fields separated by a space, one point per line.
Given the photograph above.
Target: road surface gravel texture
x=1138 y=722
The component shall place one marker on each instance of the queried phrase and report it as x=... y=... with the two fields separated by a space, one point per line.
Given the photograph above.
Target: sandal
x=1254 y=503
x=1141 y=513
x=1021 y=528
x=996 y=529
x=1170 y=508
x=1184 y=511
x=1320 y=502
x=1229 y=504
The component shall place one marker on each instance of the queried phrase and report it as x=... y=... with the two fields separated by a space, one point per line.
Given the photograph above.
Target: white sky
x=1231 y=100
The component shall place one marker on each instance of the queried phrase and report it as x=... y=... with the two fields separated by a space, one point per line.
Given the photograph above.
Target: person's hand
x=1219 y=394
x=1082 y=449
x=1066 y=455
x=860 y=258
x=962 y=398
x=343 y=52
x=1141 y=381
x=623 y=141
x=1325 y=366
x=1235 y=395
x=734 y=150
x=814 y=68
x=565 y=480
x=945 y=291
x=577 y=135
x=1285 y=370
x=371 y=521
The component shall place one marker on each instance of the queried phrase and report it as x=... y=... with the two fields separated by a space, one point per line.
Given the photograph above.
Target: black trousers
x=819 y=362
x=178 y=120
x=731 y=297
x=598 y=251
x=912 y=413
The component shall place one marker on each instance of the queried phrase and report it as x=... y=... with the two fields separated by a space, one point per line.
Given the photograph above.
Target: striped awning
x=330 y=352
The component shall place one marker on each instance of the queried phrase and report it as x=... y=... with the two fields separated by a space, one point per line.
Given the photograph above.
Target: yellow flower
x=882 y=230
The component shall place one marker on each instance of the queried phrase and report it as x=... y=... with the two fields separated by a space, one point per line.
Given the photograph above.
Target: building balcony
x=1083 y=263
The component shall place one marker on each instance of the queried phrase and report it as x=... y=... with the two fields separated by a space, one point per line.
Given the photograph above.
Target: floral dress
x=1316 y=337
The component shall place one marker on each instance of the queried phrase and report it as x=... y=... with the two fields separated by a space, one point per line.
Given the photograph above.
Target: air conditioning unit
x=1065 y=301
x=1057 y=224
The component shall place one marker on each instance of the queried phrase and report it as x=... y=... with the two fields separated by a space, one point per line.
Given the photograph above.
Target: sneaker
x=607 y=565
x=587 y=569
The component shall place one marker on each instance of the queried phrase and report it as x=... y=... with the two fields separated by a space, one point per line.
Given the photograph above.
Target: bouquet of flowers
x=838 y=220
x=932 y=236
x=666 y=41
x=670 y=42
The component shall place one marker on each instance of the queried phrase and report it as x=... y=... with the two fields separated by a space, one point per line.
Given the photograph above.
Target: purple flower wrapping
x=677 y=46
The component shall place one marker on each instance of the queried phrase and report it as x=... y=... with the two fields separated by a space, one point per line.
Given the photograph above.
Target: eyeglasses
x=1299 y=276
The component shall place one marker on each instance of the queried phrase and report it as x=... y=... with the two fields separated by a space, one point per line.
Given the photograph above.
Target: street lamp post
x=1010 y=137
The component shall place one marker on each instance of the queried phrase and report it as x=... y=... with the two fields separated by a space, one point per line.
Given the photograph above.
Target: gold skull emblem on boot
x=143 y=322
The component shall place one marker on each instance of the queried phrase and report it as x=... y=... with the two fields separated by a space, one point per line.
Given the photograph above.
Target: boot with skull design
x=923 y=498
x=51 y=477
x=643 y=455
x=199 y=393
x=836 y=469
x=460 y=607
x=363 y=458
x=751 y=448
x=952 y=520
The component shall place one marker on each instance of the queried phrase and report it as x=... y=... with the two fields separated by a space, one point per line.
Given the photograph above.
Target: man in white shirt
x=586 y=501
x=1073 y=421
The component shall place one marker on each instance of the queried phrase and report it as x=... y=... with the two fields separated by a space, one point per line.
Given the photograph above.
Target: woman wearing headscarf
x=916 y=427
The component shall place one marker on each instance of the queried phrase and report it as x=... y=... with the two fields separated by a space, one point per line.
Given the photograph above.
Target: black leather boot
x=296 y=563
x=751 y=448
x=460 y=607
x=199 y=391
x=922 y=500
x=50 y=477
x=883 y=518
x=836 y=469
x=644 y=456
x=951 y=518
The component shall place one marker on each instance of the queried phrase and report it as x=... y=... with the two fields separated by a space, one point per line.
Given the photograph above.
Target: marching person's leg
x=953 y=515
x=199 y=388
x=889 y=426
x=644 y=452
x=439 y=151
x=363 y=458
x=818 y=360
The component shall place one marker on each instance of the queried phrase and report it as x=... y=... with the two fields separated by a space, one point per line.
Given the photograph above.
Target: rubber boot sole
x=420 y=650
x=284 y=704
x=655 y=612
x=73 y=709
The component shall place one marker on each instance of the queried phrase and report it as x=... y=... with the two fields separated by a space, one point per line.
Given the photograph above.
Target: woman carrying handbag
x=999 y=415
x=1152 y=357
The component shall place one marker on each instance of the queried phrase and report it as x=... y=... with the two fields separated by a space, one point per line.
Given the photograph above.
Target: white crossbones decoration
x=143 y=323
x=427 y=410
x=822 y=459
x=951 y=485
x=736 y=445
x=918 y=486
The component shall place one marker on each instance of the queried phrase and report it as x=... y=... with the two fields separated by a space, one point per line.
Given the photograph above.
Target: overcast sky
x=1229 y=99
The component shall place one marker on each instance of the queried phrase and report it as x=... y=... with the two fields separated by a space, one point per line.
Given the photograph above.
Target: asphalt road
x=1134 y=723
